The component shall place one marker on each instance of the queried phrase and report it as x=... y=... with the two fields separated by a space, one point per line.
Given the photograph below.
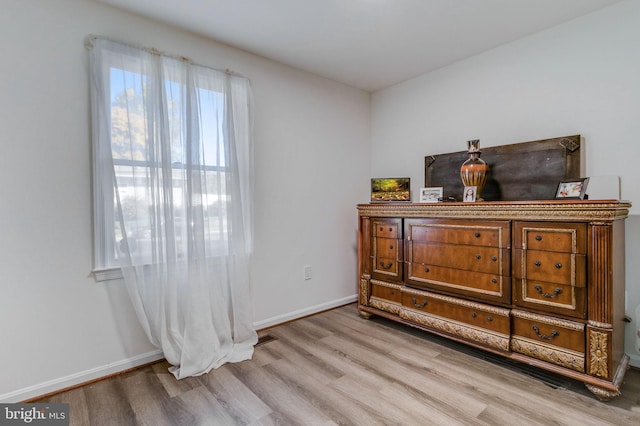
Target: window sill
x=107 y=274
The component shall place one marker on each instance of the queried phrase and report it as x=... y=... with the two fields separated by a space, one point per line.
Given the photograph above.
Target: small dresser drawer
x=385 y=268
x=386 y=291
x=556 y=237
x=554 y=267
x=551 y=297
x=386 y=228
x=477 y=233
x=550 y=339
x=386 y=248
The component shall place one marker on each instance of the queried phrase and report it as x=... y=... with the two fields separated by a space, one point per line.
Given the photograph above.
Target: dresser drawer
x=386 y=248
x=482 y=323
x=477 y=233
x=553 y=267
x=549 y=339
x=386 y=269
x=493 y=287
x=460 y=310
x=386 y=228
x=557 y=237
x=386 y=291
x=490 y=260
x=551 y=297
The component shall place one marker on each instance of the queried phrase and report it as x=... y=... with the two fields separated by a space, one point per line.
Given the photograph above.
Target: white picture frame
x=431 y=194
x=469 y=194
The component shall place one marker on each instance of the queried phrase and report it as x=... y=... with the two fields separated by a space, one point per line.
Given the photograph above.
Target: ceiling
x=369 y=44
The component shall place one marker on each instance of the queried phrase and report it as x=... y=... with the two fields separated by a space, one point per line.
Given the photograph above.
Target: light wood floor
x=336 y=368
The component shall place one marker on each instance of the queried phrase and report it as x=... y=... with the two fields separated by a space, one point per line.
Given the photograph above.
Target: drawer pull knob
x=537 y=263
x=478 y=256
x=538 y=238
x=555 y=294
x=473 y=315
x=554 y=333
x=392 y=292
x=381 y=229
x=417 y=305
x=494 y=280
x=477 y=235
x=390 y=229
x=426 y=269
x=390 y=247
x=388 y=266
x=489 y=318
x=494 y=258
x=558 y=265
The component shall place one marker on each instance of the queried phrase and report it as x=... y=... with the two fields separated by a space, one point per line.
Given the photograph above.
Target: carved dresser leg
x=602 y=394
x=365 y=315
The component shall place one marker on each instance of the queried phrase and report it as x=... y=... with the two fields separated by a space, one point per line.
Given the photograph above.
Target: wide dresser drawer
x=484 y=324
x=459 y=232
x=549 y=339
x=459 y=257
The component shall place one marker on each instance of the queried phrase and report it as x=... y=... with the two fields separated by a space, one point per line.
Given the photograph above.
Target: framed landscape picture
x=390 y=190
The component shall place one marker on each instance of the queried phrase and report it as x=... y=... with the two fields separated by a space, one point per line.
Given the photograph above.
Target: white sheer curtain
x=172 y=177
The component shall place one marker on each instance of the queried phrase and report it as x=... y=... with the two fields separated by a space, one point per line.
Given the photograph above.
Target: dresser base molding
x=453 y=243
x=484 y=337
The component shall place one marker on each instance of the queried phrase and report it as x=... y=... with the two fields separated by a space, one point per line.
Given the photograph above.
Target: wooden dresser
x=541 y=282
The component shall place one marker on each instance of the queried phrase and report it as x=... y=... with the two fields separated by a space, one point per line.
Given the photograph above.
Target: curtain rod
x=88 y=44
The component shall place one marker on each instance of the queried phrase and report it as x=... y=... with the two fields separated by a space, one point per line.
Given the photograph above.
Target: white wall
x=582 y=77
x=59 y=327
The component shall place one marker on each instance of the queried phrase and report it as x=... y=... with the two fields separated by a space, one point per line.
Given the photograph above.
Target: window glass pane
x=128 y=122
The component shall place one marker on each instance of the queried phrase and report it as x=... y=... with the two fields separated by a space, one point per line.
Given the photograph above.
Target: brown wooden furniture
x=541 y=282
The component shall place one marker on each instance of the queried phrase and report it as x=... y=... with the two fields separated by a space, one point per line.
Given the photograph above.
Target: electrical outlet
x=307 y=272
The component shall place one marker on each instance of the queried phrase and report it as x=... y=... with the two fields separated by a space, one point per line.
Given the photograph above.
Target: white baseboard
x=125 y=364
x=281 y=319
x=80 y=378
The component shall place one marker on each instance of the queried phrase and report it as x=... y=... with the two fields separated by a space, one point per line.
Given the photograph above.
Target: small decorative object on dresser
x=473 y=172
x=572 y=189
x=470 y=193
x=390 y=189
x=431 y=195
x=539 y=282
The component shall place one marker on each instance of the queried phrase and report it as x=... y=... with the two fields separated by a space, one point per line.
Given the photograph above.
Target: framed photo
x=390 y=189
x=431 y=195
x=470 y=193
x=572 y=189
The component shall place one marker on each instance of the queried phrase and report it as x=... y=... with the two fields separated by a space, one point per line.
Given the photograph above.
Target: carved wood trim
x=385 y=305
x=552 y=354
x=364 y=291
x=487 y=338
x=603 y=211
x=598 y=354
x=600 y=287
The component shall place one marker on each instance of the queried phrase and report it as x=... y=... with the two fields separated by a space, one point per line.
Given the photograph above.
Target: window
x=162 y=147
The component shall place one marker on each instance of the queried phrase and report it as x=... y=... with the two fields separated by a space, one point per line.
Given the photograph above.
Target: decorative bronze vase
x=474 y=171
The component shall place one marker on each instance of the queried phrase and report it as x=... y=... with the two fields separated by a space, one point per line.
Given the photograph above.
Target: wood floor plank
x=337 y=368
x=237 y=399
